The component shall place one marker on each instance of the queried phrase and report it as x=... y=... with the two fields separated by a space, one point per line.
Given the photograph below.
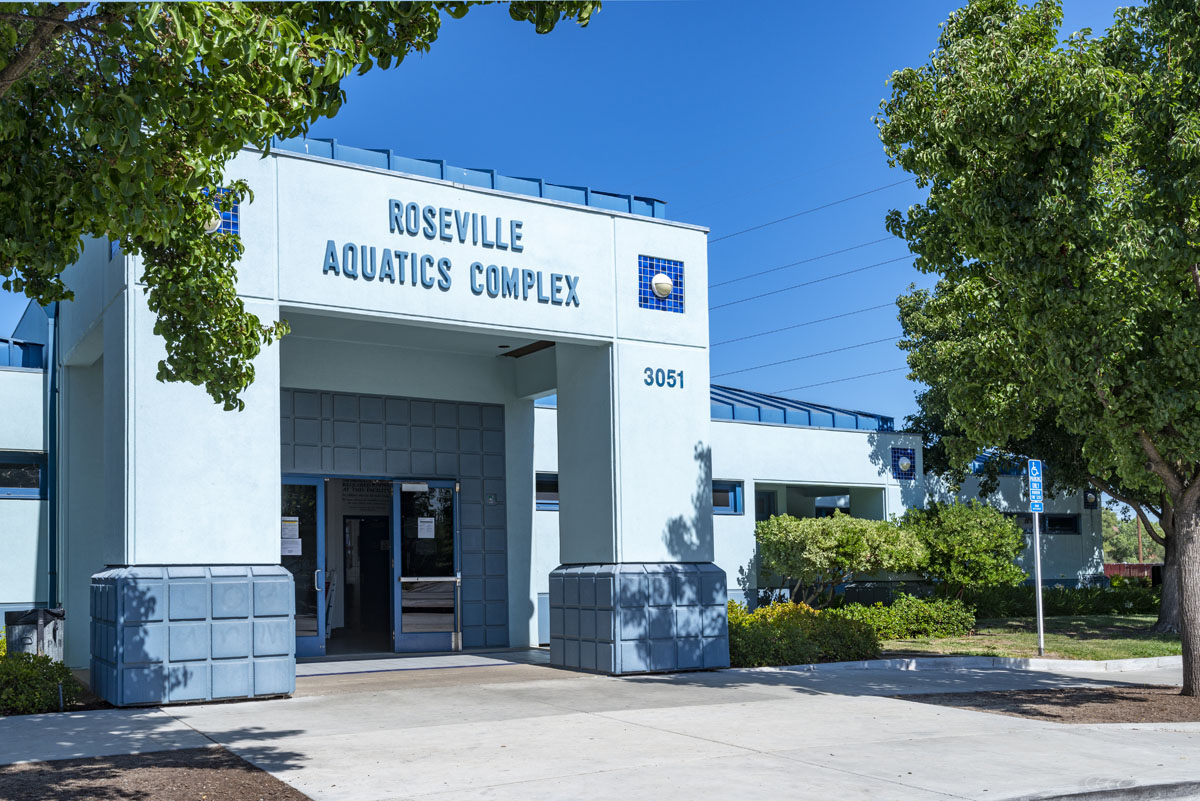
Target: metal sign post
x=1036 y=506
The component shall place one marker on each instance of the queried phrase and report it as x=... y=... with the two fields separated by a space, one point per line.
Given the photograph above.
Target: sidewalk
x=533 y=732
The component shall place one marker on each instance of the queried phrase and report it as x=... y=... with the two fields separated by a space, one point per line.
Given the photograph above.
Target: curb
x=1132 y=792
x=984 y=663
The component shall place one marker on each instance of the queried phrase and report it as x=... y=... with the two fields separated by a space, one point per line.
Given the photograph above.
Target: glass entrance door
x=426 y=614
x=302 y=552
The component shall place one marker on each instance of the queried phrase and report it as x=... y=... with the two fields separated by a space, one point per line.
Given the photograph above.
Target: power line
x=797 y=263
x=808 y=283
x=809 y=211
x=801 y=325
x=840 y=380
x=805 y=356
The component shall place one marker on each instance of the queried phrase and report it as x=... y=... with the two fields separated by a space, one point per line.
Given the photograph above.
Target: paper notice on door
x=290 y=528
x=425 y=528
x=289 y=547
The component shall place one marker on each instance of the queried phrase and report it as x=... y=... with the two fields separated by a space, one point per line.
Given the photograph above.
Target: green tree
x=969 y=546
x=815 y=554
x=118 y=119
x=1121 y=541
x=1062 y=215
x=947 y=337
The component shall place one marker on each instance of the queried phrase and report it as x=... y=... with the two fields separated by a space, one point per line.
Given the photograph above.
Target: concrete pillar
x=637 y=590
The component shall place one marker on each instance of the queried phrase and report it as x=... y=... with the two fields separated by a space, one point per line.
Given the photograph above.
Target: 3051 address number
x=664 y=378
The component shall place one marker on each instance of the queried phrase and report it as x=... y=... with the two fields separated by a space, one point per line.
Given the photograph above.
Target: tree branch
x=1137 y=508
x=1195 y=270
x=1159 y=466
x=47 y=28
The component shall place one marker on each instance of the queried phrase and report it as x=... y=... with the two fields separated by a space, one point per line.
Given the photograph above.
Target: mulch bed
x=1124 y=704
x=194 y=774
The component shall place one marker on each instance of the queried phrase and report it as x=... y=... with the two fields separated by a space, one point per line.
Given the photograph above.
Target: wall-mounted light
x=662 y=285
x=905 y=464
x=214 y=224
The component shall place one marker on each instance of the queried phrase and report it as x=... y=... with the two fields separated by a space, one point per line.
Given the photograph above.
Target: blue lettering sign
x=429 y=270
x=386 y=271
x=476 y=271
x=331 y=264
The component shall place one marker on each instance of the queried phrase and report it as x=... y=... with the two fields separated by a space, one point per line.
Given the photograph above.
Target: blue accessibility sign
x=1035 y=486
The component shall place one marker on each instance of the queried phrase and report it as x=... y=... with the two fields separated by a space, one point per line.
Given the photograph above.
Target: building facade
x=392 y=484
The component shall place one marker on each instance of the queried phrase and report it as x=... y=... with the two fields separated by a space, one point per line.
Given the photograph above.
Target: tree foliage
x=815 y=554
x=118 y=119
x=1121 y=541
x=1063 y=216
x=968 y=546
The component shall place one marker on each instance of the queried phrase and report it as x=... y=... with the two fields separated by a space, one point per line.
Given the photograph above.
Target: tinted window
x=546 y=490
x=19 y=476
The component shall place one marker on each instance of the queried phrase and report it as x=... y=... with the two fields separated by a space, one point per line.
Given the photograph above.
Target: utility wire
x=809 y=211
x=840 y=380
x=808 y=283
x=797 y=263
x=805 y=356
x=801 y=325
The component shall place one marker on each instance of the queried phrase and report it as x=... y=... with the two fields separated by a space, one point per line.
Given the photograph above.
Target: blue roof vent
x=486 y=179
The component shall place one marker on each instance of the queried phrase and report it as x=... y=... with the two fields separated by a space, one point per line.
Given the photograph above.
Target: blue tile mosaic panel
x=230 y=220
x=898 y=472
x=648 y=267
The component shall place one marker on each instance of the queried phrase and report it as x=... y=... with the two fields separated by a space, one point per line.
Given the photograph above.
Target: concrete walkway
x=529 y=732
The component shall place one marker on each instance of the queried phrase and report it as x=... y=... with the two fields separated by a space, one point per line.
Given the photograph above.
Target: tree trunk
x=1187 y=547
x=1168 y=607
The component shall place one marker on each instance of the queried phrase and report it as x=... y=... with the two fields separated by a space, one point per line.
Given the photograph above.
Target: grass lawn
x=1085 y=637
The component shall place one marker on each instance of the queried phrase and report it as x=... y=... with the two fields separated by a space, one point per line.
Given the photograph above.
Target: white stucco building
x=391 y=484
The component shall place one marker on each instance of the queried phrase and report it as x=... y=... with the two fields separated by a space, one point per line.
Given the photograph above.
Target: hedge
x=1124 y=599
x=796 y=634
x=29 y=684
x=908 y=617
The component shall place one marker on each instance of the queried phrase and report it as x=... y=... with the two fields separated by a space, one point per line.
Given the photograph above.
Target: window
x=1051 y=524
x=1062 y=524
x=765 y=505
x=22 y=475
x=546 y=491
x=727 y=497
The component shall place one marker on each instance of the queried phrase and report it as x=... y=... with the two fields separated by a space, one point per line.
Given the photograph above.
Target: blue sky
x=736 y=115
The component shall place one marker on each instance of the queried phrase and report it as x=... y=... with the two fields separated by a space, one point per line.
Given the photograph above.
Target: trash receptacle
x=35 y=631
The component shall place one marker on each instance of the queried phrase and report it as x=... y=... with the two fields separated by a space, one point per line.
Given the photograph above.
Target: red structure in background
x=1133 y=570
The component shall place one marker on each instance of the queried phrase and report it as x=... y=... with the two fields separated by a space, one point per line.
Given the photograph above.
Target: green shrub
x=795 y=634
x=968 y=546
x=908 y=617
x=3 y=644
x=29 y=684
x=815 y=554
x=1057 y=600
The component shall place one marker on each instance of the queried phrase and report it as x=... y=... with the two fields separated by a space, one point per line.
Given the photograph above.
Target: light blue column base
x=639 y=617
x=169 y=634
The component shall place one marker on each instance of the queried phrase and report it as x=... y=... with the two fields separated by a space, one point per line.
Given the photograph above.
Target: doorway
x=375 y=564
x=366 y=563
x=427 y=606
